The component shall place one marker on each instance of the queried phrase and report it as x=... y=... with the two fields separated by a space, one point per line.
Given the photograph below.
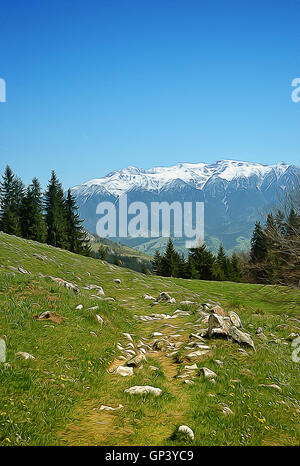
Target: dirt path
x=141 y=421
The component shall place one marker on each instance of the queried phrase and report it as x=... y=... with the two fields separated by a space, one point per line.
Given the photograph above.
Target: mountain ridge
x=236 y=194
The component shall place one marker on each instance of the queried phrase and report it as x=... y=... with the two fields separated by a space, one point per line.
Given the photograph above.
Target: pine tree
x=76 y=236
x=157 y=263
x=56 y=221
x=204 y=262
x=102 y=253
x=32 y=220
x=170 y=261
x=11 y=197
x=258 y=251
x=221 y=265
x=236 y=273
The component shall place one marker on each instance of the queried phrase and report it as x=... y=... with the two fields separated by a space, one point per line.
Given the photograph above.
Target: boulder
x=241 y=337
x=235 y=320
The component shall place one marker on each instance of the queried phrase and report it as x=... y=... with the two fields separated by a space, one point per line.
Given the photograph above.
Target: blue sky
x=97 y=85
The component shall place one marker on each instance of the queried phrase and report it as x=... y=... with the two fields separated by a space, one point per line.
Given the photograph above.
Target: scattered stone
x=50 y=315
x=79 y=307
x=128 y=336
x=68 y=285
x=149 y=297
x=292 y=336
x=124 y=371
x=24 y=355
x=136 y=360
x=156 y=334
x=99 y=319
x=153 y=368
x=186 y=431
x=118 y=281
x=272 y=385
x=220 y=363
x=20 y=269
x=259 y=330
x=186 y=303
x=163 y=296
x=242 y=351
x=191 y=368
x=208 y=374
x=262 y=336
x=227 y=411
x=197 y=354
x=143 y=390
x=110 y=408
x=189 y=382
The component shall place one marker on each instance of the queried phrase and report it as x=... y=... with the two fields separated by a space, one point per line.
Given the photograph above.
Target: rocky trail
x=174 y=346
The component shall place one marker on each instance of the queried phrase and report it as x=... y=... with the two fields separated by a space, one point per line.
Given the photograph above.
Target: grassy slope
x=54 y=399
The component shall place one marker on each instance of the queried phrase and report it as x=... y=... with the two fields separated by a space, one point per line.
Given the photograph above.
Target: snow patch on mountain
x=119 y=182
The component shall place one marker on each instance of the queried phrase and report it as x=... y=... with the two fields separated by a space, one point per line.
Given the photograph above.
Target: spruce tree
x=258 y=251
x=55 y=217
x=204 y=262
x=32 y=220
x=170 y=261
x=11 y=197
x=236 y=273
x=76 y=235
x=157 y=263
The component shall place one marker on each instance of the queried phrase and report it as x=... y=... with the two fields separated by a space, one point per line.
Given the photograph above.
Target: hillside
x=128 y=257
x=61 y=396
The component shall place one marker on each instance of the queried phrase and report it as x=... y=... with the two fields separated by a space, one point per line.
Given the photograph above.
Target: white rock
x=209 y=374
x=156 y=334
x=100 y=320
x=234 y=319
x=187 y=431
x=79 y=307
x=227 y=411
x=25 y=355
x=110 y=408
x=124 y=371
x=143 y=390
x=128 y=336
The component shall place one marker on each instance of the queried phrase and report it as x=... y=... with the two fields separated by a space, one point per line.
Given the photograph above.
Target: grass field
x=55 y=398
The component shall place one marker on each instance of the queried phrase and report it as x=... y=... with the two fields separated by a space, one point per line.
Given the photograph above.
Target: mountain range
x=235 y=194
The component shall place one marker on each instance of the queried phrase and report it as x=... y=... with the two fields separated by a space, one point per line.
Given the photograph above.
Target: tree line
x=49 y=217
x=200 y=264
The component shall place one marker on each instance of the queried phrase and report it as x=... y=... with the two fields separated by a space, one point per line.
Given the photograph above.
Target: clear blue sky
x=96 y=85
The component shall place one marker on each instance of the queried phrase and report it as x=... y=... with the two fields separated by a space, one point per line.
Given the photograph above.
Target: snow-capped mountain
x=197 y=175
x=235 y=195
